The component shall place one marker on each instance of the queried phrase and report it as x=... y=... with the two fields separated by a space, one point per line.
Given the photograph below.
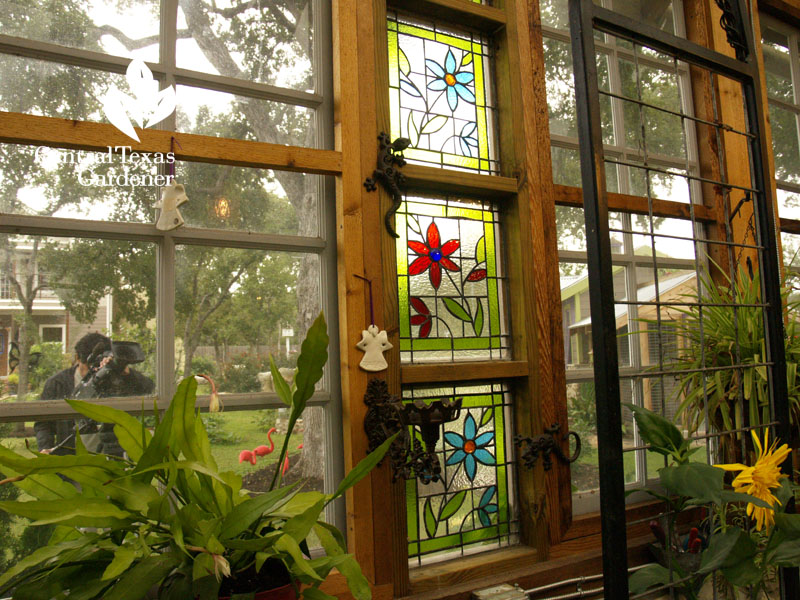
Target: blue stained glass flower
x=470 y=447
x=447 y=78
x=485 y=508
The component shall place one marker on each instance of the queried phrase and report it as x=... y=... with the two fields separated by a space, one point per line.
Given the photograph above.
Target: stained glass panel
x=450 y=281
x=440 y=94
x=473 y=507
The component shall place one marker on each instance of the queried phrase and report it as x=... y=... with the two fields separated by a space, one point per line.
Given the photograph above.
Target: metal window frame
x=584 y=19
x=324 y=245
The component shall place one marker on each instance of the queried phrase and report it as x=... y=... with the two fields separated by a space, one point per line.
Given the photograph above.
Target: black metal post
x=601 y=291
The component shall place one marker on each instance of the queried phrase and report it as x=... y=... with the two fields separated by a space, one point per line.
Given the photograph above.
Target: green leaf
x=477 y=324
x=660 y=433
x=202 y=566
x=455 y=309
x=452 y=506
x=317 y=594
x=364 y=466
x=698 y=481
x=136 y=582
x=122 y=560
x=405 y=66
x=287 y=545
x=281 y=387
x=310 y=363
x=719 y=548
x=330 y=537
x=184 y=420
x=786 y=554
x=434 y=125
x=480 y=251
x=430 y=520
x=38 y=556
x=788 y=524
x=246 y=513
x=128 y=430
x=80 y=512
x=159 y=446
x=299 y=527
x=647 y=577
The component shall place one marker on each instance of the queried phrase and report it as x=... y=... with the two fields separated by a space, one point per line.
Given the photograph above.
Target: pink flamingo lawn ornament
x=251 y=455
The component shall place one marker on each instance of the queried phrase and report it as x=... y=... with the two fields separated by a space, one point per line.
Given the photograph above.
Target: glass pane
x=791 y=250
x=244 y=199
x=261 y=42
x=72 y=284
x=220 y=114
x=78 y=184
x=656 y=14
x=554 y=13
x=441 y=97
x=118 y=27
x=560 y=88
x=788 y=204
x=679 y=244
x=233 y=309
x=673 y=185
x=473 y=507
x=39 y=87
x=233 y=432
x=450 y=275
x=785 y=144
x=572 y=230
x=777 y=64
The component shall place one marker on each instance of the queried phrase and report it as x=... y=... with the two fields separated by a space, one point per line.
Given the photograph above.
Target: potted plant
x=167 y=518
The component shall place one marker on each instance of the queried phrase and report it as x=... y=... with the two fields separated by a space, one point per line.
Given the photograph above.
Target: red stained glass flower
x=433 y=255
x=424 y=318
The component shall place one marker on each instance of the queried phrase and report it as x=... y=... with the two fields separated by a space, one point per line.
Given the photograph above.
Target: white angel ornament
x=172 y=196
x=374 y=343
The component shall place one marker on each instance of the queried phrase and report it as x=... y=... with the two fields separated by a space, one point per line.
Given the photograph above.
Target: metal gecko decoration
x=388 y=415
x=731 y=22
x=390 y=161
x=546 y=444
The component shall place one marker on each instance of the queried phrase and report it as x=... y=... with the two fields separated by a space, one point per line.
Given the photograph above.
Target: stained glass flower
x=760 y=479
x=447 y=78
x=470 y=447
x=423 y=318
x=485 y=508
x=433 y=255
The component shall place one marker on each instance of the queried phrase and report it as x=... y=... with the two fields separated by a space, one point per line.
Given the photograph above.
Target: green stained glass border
x=441 y=94
x=470 y=510
x=464 y=317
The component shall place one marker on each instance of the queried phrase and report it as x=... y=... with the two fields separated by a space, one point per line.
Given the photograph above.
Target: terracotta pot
x=285 y=592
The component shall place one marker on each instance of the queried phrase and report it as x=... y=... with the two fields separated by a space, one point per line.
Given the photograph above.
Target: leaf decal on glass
x=455 y=309
x=165 y=103
x=413 y=134
x=477 y=323
x=405 y=67
x=434 y=125
x=114 y=109
x=480 y=251
x=453 y=505
x=430 y=520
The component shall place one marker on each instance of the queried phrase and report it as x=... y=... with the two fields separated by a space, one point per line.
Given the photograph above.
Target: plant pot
x=285 y=592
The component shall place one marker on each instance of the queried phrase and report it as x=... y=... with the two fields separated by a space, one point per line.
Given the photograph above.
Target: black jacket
x=61 y=386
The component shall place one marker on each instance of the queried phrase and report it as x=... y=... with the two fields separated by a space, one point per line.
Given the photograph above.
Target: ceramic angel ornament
x=172 y=196
x=374 y=343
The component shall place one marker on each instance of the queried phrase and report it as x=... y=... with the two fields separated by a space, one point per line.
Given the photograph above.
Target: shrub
x=240 y=375
x=204 y=365
x=51 y=361
x=217 y=434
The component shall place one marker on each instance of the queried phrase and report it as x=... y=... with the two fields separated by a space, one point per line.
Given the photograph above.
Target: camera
x=106 y=367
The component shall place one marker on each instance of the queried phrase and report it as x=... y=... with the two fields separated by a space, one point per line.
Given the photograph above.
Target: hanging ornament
x=173 y=195
x=374 y=341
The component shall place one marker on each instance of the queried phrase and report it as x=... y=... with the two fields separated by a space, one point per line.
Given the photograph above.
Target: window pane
x=220 y=114
x=233 y=308
x=777 y=64
x=473 y=507
x=232 y=432
x=121 y=28
x=40 y=87
x=673 y=238
x=441 y=95
x=81 y=286
x=79 y=184
x=560 y=88
x=245 y=199
x=785 y=144
x=265 y=43
x=656 y=14
x=450 y=276
x=788 y=204
x=791 y=250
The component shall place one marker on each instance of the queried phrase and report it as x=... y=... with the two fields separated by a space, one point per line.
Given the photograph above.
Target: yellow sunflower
x=760 y=479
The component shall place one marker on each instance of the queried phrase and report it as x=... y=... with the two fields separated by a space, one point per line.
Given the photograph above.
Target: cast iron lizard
x=390 y=160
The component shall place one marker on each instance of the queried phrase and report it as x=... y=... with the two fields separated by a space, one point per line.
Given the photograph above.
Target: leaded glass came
x=450 y=281
x=472 y=508
x=440 y=90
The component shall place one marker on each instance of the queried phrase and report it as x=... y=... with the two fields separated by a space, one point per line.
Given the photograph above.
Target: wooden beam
x=33 y=130
x=448 y=181
x=464 y=371
x=464 y=12
x=786 y=10
x=790 y=226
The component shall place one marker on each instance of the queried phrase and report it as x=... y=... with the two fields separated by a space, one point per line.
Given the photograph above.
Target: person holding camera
x=95 y=358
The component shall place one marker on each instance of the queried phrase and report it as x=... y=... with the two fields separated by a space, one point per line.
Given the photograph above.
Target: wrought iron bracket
x=387 y=415
x=546 y=444
x=731 y=21
x=390 y=161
